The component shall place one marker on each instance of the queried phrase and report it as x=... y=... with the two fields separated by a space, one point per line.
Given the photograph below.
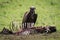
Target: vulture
x=29 y=17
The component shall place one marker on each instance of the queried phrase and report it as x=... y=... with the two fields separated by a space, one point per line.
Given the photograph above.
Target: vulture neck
x=32 y=12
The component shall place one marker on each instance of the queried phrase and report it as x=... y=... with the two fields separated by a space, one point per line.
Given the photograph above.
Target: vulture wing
x=35 y=18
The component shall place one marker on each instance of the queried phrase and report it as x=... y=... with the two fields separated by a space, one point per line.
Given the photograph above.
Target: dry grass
x=53 y=36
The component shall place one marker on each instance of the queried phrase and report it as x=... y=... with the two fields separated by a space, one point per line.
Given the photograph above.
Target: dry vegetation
x=53 y=36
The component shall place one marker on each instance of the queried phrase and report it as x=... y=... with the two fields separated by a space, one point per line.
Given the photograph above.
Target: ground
x=53 y=36
x=48 y=12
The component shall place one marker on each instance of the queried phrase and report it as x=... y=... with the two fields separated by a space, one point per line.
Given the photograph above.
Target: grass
x=53 y=36
x=48 y=13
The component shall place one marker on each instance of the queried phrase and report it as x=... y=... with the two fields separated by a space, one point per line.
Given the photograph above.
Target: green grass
x=48 y=14
x=48 y=11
